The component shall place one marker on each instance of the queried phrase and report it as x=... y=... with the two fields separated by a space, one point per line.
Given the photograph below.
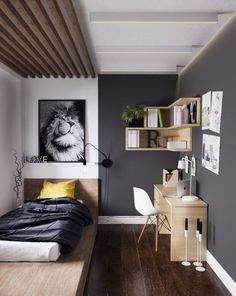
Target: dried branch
x=18 y=175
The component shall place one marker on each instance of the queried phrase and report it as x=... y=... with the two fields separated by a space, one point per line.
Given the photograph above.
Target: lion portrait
x=62 y=131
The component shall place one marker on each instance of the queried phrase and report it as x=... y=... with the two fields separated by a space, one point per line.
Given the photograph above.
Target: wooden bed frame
x=65 y=277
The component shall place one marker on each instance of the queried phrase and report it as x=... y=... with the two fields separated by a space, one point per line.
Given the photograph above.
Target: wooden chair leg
x=157 y=219
x=168 y=222
x=164 y=222
x=144 y=226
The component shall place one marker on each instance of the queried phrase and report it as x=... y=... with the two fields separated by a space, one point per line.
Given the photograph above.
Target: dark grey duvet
x=58 y=220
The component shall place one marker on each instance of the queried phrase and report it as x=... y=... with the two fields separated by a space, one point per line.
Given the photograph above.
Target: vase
x=137 y=122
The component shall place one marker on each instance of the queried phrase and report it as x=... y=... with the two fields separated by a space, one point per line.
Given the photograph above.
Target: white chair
x=145 y=207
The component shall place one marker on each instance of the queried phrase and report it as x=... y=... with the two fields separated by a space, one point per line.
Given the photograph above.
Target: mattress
x=29 y=251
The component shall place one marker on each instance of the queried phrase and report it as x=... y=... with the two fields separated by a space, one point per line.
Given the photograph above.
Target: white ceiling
x=129 y=36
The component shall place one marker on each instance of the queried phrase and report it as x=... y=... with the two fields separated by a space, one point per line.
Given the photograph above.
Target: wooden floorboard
x=151 y=273
x=131 y=266
x=121 y=267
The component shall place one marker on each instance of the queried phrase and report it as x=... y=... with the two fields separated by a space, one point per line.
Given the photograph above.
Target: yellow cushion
x=52 y=190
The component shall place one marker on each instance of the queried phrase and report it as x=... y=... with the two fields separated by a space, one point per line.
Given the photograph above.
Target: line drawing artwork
x=206 y=110
x=211 y=153
x=216 y=110
x=212 y=110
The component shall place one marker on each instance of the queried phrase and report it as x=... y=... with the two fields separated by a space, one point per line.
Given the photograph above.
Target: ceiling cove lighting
x=210 y=41
x=141 y=69
x=152 y=17
x=125 y=49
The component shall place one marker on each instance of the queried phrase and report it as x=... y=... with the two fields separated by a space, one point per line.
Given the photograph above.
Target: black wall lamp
x=106 y=162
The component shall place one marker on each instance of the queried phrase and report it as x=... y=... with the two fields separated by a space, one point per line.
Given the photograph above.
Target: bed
x=67 y=276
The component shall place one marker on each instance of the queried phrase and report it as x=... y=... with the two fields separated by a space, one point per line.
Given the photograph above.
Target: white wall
x=59 y=89
x=10 y=133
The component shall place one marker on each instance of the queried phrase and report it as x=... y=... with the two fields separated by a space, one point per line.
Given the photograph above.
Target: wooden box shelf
x=156 y=138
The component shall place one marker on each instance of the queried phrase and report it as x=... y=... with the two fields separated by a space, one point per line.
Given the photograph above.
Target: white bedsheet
x=29 y=251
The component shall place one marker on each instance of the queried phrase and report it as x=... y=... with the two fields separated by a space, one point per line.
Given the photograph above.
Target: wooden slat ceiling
x=42 y=38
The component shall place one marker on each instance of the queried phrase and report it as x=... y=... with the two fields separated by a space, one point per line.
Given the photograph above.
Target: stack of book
x=133 y=138
x=154 y=118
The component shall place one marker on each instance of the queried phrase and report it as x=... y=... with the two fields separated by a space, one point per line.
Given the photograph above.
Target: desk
x=177 y=210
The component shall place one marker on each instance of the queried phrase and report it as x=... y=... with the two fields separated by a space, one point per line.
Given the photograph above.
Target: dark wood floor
x=121 y=267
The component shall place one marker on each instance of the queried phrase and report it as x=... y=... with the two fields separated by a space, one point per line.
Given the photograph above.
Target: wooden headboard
x=85 y=189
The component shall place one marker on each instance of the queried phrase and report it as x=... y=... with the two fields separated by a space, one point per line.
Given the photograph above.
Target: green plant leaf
x=132 y=112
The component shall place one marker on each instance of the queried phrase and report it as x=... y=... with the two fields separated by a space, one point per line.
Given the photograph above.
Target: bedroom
x=125 y=75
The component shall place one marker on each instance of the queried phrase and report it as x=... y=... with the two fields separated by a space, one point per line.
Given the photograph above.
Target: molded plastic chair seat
x=145 y=207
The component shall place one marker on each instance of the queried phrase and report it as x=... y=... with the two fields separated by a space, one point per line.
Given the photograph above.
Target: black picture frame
x=61 y=126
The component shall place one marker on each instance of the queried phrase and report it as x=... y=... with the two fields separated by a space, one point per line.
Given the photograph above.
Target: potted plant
x=133 y=115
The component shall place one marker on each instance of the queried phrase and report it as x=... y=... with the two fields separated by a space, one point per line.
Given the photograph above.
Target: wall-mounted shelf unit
x=166 y=129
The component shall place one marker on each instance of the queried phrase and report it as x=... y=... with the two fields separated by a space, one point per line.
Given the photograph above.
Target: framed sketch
x=216 y=110
x=62 y=130
x=211 y=153
x=211 y=110
x=206 y=110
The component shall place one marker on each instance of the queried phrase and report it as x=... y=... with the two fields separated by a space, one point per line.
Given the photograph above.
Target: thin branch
x=18 y=175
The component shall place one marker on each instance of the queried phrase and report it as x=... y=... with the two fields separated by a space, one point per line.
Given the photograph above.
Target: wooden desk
x=177 y=210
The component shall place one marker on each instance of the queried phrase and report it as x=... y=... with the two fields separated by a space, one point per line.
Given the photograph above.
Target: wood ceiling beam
x=16 y=61
x=47 y=26
x=13 y=65
x=11 y=32
x=12 y=17
x=12 y=42
x=8 y=48
x=73 y=25
x=56 y=17
x=43 y=38
x=34 y=28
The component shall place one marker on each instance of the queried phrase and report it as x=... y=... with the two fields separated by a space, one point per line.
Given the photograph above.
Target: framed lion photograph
x=62 y=130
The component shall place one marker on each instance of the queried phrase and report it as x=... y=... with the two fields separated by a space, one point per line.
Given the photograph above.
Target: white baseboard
x=122 y=219
x=226 y=279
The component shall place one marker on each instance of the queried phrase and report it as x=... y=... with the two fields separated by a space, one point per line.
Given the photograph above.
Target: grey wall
x=215 y=69
x=142 y=169
x=10 y=131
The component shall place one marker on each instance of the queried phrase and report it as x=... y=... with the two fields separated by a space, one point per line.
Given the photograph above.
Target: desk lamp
x=183 y=165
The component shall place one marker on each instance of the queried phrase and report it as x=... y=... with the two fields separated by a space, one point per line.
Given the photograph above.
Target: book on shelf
x=133 y=138
x=177 y=115
x=152 y=117
x=192 y=112
x=172 y=116
x=160 y=118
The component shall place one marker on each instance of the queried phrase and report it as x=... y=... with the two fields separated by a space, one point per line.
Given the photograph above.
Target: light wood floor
x=121 y=267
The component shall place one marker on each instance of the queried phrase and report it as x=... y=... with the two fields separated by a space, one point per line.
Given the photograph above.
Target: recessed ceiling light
x=152 y=17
